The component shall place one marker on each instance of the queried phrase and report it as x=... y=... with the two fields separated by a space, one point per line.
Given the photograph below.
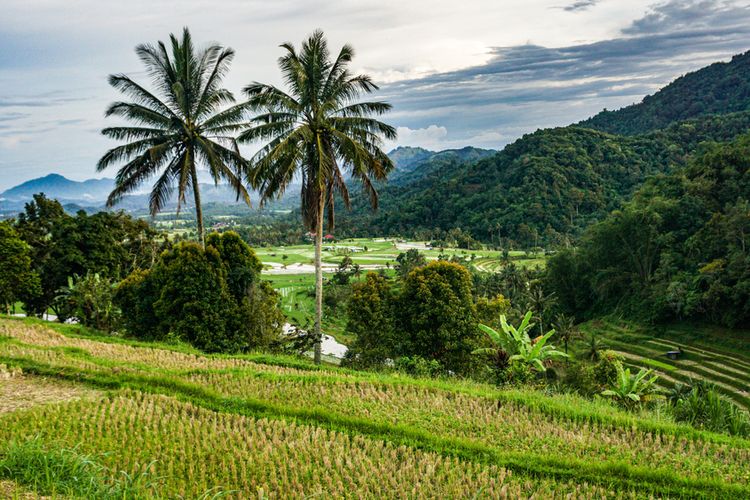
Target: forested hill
x=550 y=185
x=543 y=188
x=716 y=89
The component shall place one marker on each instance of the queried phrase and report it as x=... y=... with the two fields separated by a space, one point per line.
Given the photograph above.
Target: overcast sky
x=475 y=72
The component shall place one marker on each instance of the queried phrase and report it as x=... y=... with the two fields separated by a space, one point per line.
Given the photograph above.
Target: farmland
x=180 y=423
x=711 y=354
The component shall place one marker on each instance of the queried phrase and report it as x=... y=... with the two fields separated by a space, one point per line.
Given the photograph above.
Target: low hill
x=723 y=87
x=177 y=423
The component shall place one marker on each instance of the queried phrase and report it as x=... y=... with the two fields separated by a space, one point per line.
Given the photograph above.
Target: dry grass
x=10 y=490
x=21 y=391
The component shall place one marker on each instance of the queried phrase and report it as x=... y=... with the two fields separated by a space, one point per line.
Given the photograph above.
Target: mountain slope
x=57 y=186
x=551 y=184
x=716 y=89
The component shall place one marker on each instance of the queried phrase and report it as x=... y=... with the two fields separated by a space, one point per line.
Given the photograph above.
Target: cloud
x=525 y=87
x=430 y=137
x=580 y=5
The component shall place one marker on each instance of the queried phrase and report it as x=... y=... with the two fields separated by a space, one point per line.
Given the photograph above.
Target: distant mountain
x=91 y=195
x=405 y=158
x=415 y=163
x=57 y=186
x=723 y=87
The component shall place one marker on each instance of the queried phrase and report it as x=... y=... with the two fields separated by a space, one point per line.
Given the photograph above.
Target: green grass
x=555 y=440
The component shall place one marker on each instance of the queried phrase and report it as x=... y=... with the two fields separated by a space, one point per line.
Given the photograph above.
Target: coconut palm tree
x=565 y=326
x=312 y=132
x=183 y=123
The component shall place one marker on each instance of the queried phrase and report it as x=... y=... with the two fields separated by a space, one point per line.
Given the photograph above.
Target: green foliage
x=630 y=390
x=719 y=88
x=89 y=299
x=371 y=320
x=518 y=345
x=68 y=472
x=212 y=298
x=702 y=406
x=407 y=261
x=111 y=244
x=679 y=250
x=417 y=366
x=312 y=132
x=436 y=315
x=178 y=126
x=17 y=279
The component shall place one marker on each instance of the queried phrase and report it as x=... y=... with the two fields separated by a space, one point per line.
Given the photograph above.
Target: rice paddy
x=276 y=427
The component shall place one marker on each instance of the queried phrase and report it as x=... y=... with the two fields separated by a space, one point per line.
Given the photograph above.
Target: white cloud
x=431 y=137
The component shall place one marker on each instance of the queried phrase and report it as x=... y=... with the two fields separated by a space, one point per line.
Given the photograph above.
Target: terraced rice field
x=275 y=427
x=728 y=369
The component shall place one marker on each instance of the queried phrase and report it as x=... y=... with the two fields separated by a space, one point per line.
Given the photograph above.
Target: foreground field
x=185 y=424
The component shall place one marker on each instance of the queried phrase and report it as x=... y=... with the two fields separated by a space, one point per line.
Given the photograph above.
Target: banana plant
x=631 y=389
x=516 y=345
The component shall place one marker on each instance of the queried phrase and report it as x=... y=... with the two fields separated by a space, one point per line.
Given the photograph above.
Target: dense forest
x=716 y=89
x=545 y=188
x=679 y=250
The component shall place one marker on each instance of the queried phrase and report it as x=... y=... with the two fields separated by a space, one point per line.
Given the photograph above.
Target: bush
x=213 y=298
x=418 y=366
x=89 y=299
x=702 y=406
x=437 y=316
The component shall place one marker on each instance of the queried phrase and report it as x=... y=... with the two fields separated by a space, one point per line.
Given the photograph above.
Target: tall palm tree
x=312 y=132
x=178 y=126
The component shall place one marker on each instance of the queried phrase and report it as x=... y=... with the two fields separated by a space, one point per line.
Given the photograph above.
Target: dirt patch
x=22 y=391
x=9 y=489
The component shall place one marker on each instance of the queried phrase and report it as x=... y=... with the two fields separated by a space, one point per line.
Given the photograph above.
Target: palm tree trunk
x=319 y=278
x=198 y=208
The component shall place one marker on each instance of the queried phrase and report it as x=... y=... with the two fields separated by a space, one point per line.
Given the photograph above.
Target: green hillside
x=142 y=419
x=711 y=354
x=723 y=87
x=544 y=187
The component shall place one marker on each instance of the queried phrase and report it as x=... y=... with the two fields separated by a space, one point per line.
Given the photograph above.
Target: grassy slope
x=331 y=431
x=717 y=355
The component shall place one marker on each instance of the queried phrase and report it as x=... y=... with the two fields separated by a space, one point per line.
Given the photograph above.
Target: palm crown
x=316 y=128
x=178 y=126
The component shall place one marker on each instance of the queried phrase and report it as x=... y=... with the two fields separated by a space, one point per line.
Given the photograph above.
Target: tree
x=313 y=131
x=17 y=279
x=212 y=298
x=89 y=299
x=437 y=316
x=178 y=127
x=370 y=320
x=631 y=389
x=565 y=326
x=407 y=261
x=594 y=347
x=518 y=345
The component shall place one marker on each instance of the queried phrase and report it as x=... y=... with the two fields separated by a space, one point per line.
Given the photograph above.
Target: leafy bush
x=89 y=299
x=702 y=406
x=513 y=344
x=630 y=390
x=418 y=366
x=212 y=298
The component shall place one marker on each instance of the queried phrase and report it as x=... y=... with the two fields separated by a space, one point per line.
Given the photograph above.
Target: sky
x=477 y=72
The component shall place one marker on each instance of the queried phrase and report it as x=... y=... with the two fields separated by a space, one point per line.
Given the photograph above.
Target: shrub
x=418 y=366
x=437 y=315
x=702 y=406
